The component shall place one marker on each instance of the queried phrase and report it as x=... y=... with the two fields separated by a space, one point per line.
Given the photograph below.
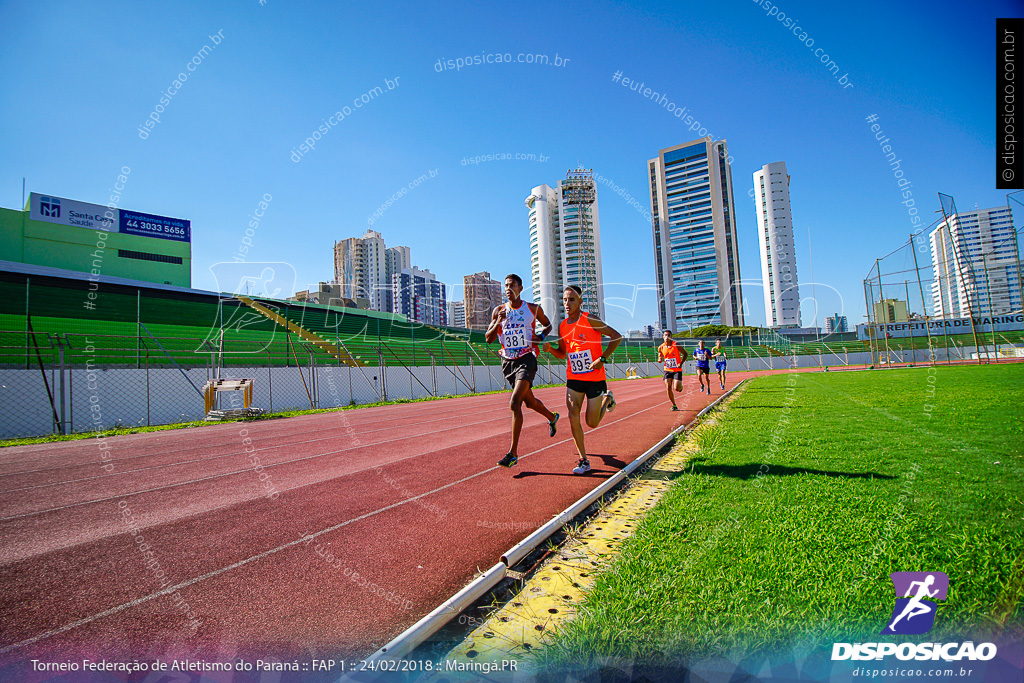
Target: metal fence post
x=433 y=373
x=147 y=386
x=63 y=400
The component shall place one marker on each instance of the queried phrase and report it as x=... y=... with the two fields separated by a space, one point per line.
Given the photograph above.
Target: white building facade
x=975 y=264
x=364 y=268
x=457 y=314
x=565 y=249
x=775 y=240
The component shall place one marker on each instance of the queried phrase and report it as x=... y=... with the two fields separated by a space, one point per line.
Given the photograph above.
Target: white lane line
x=226 y=474
x=272 y=551
x=202 y=446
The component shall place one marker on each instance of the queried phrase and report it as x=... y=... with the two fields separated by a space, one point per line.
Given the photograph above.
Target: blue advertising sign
x=148 y=225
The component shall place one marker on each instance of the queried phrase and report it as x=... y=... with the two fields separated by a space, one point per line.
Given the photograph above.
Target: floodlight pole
x=991 y=313
x=958 y=259
x=910 y=325
x=924 y=306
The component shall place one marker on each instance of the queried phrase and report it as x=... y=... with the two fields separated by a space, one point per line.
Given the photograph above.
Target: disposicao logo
x=914 y=614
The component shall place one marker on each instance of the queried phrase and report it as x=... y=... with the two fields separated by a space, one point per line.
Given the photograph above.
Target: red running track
x=355 y=524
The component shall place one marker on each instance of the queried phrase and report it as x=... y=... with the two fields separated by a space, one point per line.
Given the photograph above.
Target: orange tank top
x=583 y=346
x=671 y=357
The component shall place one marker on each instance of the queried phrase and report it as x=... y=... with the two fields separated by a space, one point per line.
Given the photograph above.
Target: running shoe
x=509 y=460
x=553 y=426
x=611 y=402
x=583 y=467
x=674 y=408
x=723 y=387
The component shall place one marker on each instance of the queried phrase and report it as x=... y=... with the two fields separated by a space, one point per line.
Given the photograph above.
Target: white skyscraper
x=364 y=267
x=775 y=239
x=565 y=243
x=974 y=260
x=457 y=314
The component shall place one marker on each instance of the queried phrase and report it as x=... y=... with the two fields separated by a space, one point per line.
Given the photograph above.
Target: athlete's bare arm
x=607 y=331
x=538 y=313
x=557 y=351
x=497 y=317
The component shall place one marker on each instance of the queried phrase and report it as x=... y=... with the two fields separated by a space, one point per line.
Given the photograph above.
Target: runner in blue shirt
x=703 y=358
x=718 y=353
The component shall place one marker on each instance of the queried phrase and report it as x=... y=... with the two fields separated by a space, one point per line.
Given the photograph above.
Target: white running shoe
x=611 y=402
x=583 y=467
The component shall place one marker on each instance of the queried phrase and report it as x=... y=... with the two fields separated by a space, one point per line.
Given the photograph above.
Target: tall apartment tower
x=482 y=295
x=975 y=264
x=835 y=323
x=697 y=259
x=457 y=314
x=419 y=296
x=364 y=268
x=775 y=238
x=565 y=243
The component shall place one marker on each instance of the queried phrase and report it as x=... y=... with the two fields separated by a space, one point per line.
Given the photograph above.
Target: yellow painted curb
x=549 y=597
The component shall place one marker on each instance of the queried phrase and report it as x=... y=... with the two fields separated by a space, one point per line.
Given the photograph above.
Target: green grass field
x=809 y=490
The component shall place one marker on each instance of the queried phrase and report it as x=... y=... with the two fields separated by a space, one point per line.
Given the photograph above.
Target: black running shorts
x=676 y=375
x=522 y=368
x=591 y=389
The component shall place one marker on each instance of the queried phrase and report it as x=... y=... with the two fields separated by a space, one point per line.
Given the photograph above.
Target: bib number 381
x=579 y=362
x=516 y=338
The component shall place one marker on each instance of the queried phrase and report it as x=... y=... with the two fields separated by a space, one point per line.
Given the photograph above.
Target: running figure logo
x=916 y=593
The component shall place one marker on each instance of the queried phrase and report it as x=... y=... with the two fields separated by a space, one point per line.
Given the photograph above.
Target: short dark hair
x=575 y=288
x=668 y=332
x=515 y=278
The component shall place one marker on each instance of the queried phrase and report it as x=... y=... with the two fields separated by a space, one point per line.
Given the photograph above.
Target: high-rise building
x=975 y=264
x=697 y=259
x=888 y=311
x=457 y=314
x=835 y=324
x=419 y=296
x=775 y=238
x=481 y=295
x=364 y=267
x=565 y=243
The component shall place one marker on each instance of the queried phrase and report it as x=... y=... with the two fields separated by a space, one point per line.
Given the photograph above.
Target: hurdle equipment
x=210 y=390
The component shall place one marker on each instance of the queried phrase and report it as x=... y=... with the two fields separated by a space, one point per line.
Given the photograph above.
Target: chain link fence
x=950 y=293
x=61 y=383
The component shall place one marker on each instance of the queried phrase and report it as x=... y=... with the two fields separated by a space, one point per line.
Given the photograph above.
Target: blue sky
x=79 y=82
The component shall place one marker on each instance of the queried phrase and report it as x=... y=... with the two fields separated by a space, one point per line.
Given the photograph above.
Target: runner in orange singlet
x=673 y=356
x=579 y=342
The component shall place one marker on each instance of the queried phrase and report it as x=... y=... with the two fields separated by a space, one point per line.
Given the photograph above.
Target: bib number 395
x=579 y=362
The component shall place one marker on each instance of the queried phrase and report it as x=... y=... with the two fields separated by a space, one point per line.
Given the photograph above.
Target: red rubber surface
x=404 y=503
